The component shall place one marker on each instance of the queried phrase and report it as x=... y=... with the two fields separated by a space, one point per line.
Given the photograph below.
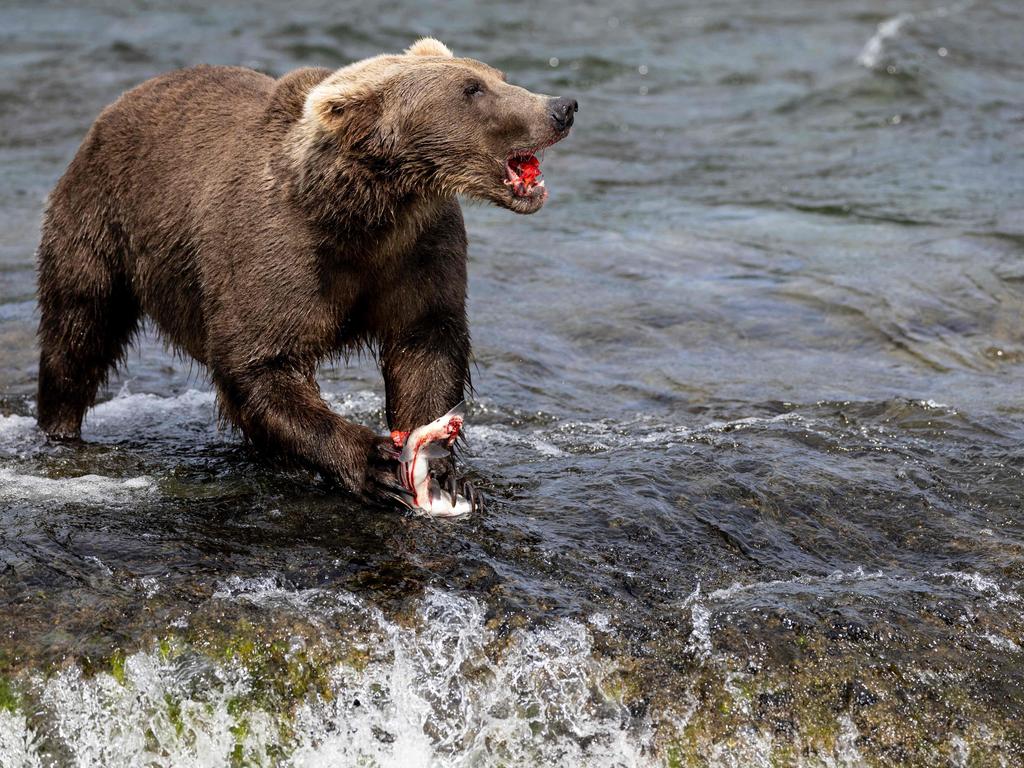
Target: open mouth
x=523 y=175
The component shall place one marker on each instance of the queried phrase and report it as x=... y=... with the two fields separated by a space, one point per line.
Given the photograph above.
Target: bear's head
x=426 y=121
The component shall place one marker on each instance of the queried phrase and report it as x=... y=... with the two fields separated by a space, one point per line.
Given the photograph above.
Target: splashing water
x=432 y=693
x=747 y=416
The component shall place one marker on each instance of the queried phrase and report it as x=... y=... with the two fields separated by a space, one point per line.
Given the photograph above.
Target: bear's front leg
x=425 y=364
x=279 y=408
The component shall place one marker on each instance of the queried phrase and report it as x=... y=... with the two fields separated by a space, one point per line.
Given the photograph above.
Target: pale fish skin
x=431 y=441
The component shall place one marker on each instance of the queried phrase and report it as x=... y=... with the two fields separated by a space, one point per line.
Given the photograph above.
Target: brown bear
x=265 y=225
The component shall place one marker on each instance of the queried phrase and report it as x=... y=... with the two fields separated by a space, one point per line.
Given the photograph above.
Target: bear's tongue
x=524 y=175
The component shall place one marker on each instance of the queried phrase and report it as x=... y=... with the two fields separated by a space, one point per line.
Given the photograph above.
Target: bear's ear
x=428 y=46
x=351 y=109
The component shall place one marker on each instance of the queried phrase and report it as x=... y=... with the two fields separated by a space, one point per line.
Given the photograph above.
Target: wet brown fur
x=265 y=225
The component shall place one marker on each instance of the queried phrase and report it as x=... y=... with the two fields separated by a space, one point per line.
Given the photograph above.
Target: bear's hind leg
x=88 y=314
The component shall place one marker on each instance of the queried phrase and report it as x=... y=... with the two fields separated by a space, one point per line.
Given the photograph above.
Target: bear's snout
x=562 y=112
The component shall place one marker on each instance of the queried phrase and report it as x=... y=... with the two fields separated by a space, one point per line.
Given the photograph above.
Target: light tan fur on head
x=441 y=124
x=428 y=46
x=353 y=83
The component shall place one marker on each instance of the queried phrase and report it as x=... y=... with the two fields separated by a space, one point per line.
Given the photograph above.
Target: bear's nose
x=562 y=111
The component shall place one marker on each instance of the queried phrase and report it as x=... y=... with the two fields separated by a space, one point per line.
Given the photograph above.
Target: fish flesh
x=421 y=491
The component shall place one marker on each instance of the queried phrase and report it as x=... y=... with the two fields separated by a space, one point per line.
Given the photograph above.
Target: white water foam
x=836 y=577
x=19 y=436
x=982 y=585
x=18 y=742
x=752 y=421
x=446 y=704
x=973 y=582
x=1002 y=643
x=482 y=438
x=192 y=415
x=430 y=694
x=598 y=436
x=191 y=418
x=871 y=54
x=101 y=722
x=361 y=403
x=699 y=642
x=87 y=489
x=433 y=690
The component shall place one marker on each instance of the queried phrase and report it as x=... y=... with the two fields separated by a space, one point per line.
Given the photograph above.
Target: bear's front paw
x=381 y=481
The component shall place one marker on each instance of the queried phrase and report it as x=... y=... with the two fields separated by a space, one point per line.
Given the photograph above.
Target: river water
x=749 y=411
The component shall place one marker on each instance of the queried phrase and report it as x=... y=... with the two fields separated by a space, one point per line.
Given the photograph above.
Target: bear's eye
x=473 y=89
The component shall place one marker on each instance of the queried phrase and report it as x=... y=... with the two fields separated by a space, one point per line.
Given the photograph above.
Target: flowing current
x=749 y=412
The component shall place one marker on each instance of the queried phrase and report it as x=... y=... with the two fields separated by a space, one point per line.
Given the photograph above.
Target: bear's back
x=194 y=114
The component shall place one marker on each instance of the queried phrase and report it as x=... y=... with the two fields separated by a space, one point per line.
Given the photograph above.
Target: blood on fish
x=528 y=170
x=420 y=445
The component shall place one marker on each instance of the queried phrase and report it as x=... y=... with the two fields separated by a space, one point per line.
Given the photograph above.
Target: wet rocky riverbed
x=748 y=408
